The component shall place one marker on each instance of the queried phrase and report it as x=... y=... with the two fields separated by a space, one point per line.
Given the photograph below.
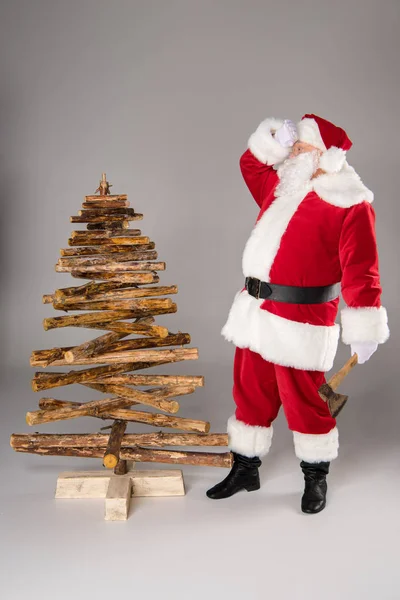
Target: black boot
x=244 y=475
x=314 y=497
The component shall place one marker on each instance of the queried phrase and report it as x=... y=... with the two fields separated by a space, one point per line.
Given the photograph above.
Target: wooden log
x=118 y=294
x=103 y=218
x=95 y=346
x=156 y=399
x=136 y=305
x=106 y=342
x=115 y=267
x=54 y=354
x=124 y=233
x=108 y=227
x=121 y=467
x=106 y=197
x=87 y=319
x=144 y=307
x=98 y=234
x=100 y=440
x=164 y=380
x=39 y=357
x=92 y=408
x=112 y=230
x=177 y=339
x=117 y=240
x=107 y=211
x=112 y=453
x=208 y=459
x=103 y=234
x=106 y=204
x=86 y=234
x=46 y=381
x=135 y=416
x=47 y=298
x=77 y=452
x=90 y=251
x=129 y=328
x=115 y=226
x=103 y=259
x=110 y=343
x=139 y=278
x=89 y=289
x=162 y=308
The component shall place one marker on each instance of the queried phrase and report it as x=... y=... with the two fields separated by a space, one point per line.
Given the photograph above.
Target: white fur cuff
x=313 y=448
x=248 y=440
x=369 y=324
x=263 y=146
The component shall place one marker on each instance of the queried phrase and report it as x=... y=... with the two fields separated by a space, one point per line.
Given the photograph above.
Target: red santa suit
x=317 y=236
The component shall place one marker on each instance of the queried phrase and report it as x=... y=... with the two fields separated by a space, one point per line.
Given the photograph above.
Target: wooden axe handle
x=337 y=378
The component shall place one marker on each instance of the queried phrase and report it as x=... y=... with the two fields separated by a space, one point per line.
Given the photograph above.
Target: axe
x=327 y=392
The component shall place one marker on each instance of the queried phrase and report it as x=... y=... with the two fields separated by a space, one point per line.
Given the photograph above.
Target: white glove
x=286 y=135
x=364 y=350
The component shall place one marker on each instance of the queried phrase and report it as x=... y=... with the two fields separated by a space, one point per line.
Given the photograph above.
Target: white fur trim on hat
x=365 y=324
x=264 y=146
x=248 y=440
x=308 y=131
x=332 y=160
x=319 y=447
x=279 y=340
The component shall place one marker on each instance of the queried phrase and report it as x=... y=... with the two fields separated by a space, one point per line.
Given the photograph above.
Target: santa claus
x=314 y=238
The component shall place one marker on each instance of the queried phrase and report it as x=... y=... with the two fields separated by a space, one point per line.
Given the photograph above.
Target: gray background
x=163 y=97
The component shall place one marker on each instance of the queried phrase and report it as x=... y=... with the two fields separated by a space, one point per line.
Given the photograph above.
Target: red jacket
x=323 y=235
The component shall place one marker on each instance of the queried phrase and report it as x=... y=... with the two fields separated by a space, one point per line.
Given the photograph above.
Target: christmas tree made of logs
x=122 y=298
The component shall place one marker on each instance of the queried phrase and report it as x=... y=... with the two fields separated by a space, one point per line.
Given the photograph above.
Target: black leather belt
x=291 y=294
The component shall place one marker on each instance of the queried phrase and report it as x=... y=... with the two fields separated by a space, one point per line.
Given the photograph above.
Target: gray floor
x=254 y=545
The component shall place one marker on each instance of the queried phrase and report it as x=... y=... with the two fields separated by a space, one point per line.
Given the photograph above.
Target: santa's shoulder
x=343 y=188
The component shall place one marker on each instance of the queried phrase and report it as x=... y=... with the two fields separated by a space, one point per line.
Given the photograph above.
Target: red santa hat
x=332 y=140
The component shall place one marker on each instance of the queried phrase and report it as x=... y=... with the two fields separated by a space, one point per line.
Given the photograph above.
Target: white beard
x=295 y=173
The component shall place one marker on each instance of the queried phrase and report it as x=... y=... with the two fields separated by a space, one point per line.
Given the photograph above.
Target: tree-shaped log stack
x=122 y=299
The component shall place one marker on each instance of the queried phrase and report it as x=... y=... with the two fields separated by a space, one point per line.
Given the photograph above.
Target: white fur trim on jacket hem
x=366 y=324
x=263 y=146
x=313 y=448
x=248 y=440
x=279 y=340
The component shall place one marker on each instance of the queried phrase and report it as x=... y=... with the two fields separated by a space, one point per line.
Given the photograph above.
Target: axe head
x=334 y=401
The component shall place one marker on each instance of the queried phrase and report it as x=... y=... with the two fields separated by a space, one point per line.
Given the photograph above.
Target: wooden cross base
x=118 y=489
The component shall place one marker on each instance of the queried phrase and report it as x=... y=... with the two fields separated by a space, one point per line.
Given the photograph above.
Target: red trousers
x=261 y=387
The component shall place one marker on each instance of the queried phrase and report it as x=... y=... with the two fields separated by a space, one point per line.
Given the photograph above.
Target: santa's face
x=297 y=170
x=301 y=147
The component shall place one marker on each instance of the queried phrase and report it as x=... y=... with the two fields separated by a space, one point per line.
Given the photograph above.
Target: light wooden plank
x=157 y=483
x=118 y=497
x=94 y=484
x=85 y=484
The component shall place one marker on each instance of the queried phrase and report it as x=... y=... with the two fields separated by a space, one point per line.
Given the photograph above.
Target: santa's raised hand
x=286 y=135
